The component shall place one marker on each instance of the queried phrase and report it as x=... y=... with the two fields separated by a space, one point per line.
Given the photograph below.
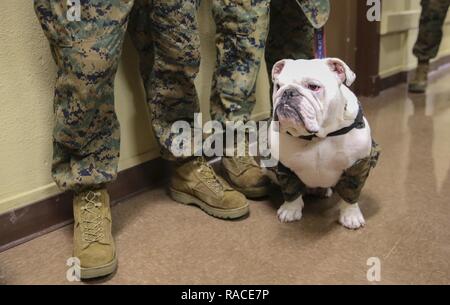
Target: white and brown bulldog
x=322 y=138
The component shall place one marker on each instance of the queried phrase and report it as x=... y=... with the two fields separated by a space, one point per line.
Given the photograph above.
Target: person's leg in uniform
x=140 y=31
x=290 y=35
x=86 y=132
x=166 y=35
x=429 y=40
x=242 y=28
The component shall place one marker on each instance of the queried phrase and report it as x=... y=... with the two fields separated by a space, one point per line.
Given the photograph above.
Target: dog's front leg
x=293 y=189
x=291 y=211
x=351 y=216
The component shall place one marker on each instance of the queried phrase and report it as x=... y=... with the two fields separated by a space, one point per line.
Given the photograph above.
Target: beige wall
x=399 y=28
x=26 y=89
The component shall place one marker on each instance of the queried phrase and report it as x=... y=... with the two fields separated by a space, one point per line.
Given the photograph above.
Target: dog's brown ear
x=278 y=68
x=343 y=71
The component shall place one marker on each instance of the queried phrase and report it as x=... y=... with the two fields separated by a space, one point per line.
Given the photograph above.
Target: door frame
x=367 y=52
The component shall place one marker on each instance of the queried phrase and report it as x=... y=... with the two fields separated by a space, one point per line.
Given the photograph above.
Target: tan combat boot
x=420 y=81
x=195 y=182
x=246 y=176
x=93 y=241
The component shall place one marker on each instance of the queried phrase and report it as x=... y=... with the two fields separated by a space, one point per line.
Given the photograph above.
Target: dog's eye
x=313 y=87
x=277 y=86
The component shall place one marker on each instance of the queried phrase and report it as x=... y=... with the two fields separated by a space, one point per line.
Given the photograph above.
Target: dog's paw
x=291 y=211
x=351 y=217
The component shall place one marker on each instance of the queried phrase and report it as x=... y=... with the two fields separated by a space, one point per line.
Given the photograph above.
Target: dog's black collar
x=357 y=124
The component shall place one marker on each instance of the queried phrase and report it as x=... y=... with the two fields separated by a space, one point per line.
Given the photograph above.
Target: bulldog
x=323 y=141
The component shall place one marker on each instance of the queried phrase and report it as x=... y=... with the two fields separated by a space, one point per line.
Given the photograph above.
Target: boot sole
x=94 y=272
x=250 y=192
x=188 y=199
x=417 y=90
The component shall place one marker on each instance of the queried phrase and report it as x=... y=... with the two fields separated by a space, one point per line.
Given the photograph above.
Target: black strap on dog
x=357 y=124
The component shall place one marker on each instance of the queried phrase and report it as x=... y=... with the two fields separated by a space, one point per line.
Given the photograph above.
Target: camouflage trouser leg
x=165 y=33
x=242 y=28
x=290 y=36
x=86 y=132
x=430 y=28
x=140 y=30
x=354 y=178
x=349 y=186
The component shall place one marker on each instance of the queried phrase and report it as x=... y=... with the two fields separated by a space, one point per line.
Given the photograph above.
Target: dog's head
x=308 y=94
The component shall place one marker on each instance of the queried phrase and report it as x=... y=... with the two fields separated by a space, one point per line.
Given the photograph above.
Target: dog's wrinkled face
x=307 y=91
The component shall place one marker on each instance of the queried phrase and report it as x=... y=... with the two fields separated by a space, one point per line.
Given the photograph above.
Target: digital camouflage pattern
x=165 y=33
x=432 y=20
x=242 y=29
x=317 y=11
x=291 y=186
x=353 y=179
x=87 y=52
x=291 y=33
x=86 y=132
x=349 y=186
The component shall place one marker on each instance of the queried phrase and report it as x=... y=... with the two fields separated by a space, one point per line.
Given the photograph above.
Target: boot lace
x=91 y=218
x=209 y=177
